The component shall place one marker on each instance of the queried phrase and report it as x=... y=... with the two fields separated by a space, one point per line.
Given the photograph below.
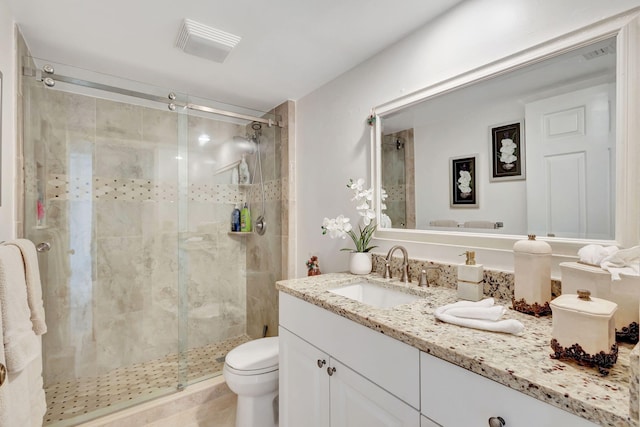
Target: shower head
x=248 y=144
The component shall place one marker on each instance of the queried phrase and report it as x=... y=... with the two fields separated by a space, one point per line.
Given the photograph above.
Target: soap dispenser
x=470 y=278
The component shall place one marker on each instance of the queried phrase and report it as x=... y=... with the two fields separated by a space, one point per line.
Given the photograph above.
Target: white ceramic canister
x=576 y=276
x=532 y=271
x=588 y=322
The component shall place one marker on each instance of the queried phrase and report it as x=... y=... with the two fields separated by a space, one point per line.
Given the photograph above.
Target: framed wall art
x=507 y=151
x=463 y=185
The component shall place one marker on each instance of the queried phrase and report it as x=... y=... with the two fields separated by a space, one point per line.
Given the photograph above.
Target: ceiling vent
x=206 y=42
x=601 y=51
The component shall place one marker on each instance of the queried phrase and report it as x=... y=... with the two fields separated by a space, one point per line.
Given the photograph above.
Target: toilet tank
x=576 y=276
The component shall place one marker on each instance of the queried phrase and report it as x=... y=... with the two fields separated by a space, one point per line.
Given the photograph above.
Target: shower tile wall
x=264 y=253
x=397 y=178
x=108 y=175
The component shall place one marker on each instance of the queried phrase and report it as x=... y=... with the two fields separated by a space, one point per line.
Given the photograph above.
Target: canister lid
x=583 y=303
x=532 y=246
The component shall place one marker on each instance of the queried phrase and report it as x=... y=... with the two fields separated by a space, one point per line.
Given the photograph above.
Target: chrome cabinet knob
x=331 y=370
x=3 y=374
x=321 y=363
x=496 y=422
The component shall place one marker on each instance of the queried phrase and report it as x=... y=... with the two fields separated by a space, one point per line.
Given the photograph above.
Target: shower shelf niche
x=238 y=233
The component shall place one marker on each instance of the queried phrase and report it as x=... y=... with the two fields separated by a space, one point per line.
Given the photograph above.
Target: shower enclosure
x=145 y=288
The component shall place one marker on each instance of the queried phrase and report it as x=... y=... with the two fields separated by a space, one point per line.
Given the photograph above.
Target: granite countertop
x=520 y=362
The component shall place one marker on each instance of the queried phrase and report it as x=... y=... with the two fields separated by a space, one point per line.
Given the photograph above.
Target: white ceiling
x=288 y=47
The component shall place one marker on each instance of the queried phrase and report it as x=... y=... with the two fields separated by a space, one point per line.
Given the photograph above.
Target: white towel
x=443 y=223
x=22 y=398
x=483 y=311
x=33 y=283
x=623 y=261
x=20 y=341
x=479 y=224
x=594 y=254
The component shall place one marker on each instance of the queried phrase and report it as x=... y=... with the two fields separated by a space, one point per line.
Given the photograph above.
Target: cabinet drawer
x=385 y=361
x=478 y=398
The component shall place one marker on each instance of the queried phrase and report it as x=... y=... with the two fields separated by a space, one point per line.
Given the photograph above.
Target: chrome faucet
x=405 y=264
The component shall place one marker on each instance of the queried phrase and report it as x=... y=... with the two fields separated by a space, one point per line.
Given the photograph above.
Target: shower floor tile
x=123 y=387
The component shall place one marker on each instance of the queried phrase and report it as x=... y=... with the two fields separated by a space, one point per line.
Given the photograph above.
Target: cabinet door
x=304 y=383
x=356 y=401
x=453 y=396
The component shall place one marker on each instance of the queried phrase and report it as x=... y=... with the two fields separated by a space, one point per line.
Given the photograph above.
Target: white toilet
x=251 y=371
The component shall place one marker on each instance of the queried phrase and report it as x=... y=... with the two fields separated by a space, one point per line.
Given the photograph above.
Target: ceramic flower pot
x=360 y=263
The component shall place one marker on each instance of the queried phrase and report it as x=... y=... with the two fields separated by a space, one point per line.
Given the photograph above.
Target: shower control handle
x=321 y=363
x=496 y=422
x=43 y=247
x=331 y=370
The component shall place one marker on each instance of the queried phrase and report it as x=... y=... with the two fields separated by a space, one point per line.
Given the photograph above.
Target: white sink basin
x=374 y=295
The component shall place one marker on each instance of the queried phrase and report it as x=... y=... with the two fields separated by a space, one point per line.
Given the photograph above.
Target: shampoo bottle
x=243 y=172
x=245 y=219
x=235 y=177
x=470 y=279
x=235 y=219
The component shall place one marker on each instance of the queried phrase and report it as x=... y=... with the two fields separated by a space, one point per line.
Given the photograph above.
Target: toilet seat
x=254 y=357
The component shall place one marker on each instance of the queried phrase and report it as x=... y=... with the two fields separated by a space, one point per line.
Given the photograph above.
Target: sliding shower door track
x=49 y=78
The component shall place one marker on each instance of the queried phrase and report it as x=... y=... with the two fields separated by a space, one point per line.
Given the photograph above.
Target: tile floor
x=124 y=387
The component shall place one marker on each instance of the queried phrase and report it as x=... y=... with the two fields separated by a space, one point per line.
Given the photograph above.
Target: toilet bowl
x=251 y=372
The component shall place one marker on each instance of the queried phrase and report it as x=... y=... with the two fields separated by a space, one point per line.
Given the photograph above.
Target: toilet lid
x=253 y=355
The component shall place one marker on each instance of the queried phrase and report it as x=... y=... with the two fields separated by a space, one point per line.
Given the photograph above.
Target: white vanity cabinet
x=453 y=396
x=334 y=372
x=337 y=372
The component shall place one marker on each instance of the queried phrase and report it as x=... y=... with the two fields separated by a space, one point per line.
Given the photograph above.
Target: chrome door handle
x=43 y=247
x=3 y=374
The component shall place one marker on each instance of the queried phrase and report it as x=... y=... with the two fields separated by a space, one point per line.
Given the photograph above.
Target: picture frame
x=507 y=151
x=463 y=182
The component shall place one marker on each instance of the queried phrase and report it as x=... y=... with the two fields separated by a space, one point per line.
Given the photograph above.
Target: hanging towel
x=20 y=341
x=33 y=283
x=478 y=315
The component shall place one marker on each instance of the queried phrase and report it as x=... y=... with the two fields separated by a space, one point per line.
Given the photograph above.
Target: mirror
x=528 y=145
x=533 y=150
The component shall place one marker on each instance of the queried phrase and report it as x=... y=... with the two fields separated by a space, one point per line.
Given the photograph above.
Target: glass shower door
x=102 y=180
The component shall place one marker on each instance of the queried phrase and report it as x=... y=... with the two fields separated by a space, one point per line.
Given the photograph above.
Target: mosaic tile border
x=62 y=187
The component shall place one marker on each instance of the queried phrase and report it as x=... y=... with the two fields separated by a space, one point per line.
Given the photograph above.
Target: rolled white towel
x=594 y=254
x=485 y=308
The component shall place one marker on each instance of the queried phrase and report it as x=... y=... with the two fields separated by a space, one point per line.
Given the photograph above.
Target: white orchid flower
x=357 y=185
x=507 y=151
x=464 y=182
x=341 y=226
x=367 y=216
